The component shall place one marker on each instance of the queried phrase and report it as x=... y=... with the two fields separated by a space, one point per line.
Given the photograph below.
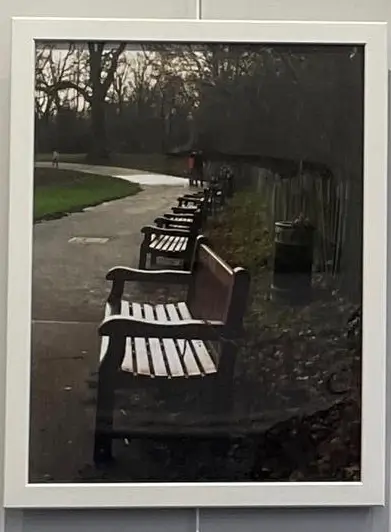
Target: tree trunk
x=98 y=150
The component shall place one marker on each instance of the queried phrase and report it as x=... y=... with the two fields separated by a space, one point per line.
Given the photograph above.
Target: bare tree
x=103 y=66
x=51 y=72
x=93 y=86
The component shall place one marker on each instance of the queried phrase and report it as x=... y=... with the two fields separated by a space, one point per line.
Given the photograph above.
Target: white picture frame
x=371 y=490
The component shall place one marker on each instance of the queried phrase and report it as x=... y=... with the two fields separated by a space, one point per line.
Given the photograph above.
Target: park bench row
x=177 y=342
x=173 y=235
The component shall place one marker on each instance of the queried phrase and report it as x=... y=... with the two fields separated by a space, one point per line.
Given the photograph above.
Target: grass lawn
x=59 y=192
x=147 y=162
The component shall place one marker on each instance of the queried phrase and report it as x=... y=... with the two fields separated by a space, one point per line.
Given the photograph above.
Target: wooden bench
x=211 y=198
x=188 y=199
x=205 y=201
x=171 y=342
x=174 y=239
x=192 y=221
x=183 y=217
x=189 y=211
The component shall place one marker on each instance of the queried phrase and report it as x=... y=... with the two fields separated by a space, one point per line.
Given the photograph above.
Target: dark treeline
x=302 y=103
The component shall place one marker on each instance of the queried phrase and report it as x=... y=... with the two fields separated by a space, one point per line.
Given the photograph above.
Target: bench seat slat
x=173 y=225
x=199 y=346
x=159 y=367
x=181 y=244
x=163 y=241
x=170 y=350
x=105 y=339
x=184 y=346
x=127 y=363
x=178 y=227
x=158 y=241
x=179 y=219
x=142 y=362
x=172 y=244
x=164 y=357
x=169 y=243
x=153 y=241
x=175 y=244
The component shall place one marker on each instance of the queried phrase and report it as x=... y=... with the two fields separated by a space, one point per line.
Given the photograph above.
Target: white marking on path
x=87 y=240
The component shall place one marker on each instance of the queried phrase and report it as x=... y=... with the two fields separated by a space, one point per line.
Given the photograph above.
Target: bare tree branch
x=111 y=71
x=64 y=85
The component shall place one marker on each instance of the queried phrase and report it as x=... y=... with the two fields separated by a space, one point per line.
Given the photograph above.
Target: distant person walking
x=55 y=159
x=190 y=167
x=199 y=168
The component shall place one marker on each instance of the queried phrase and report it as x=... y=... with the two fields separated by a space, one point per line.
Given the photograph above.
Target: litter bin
x=293 y=257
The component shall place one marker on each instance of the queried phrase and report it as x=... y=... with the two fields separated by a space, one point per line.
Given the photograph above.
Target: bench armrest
x=148 y=230
x=124 y=274
x=126 y=326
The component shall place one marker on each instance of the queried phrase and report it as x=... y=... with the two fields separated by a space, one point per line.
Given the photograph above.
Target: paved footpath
x=69 y=292
x=128 y=174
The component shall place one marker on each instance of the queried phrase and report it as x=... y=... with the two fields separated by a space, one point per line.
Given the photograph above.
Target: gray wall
x=292 y=520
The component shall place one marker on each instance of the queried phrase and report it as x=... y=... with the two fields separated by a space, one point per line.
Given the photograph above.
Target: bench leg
x=224 y=380
x=104 y=421
x=143 y=257
x=187 y=263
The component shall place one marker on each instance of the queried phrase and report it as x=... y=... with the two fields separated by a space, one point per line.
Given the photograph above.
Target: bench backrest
x=217 y=291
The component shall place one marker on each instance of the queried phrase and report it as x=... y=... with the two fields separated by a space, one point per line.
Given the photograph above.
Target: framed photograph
x=197 y=264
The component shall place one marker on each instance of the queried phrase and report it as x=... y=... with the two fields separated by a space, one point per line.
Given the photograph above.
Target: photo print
x=197 y=262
